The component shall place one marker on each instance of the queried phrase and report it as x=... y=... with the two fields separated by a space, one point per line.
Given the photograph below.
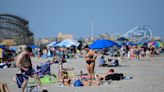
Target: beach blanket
x=115 y=76
x=49 y=79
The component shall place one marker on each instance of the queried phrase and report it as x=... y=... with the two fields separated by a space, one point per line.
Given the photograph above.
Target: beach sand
x=148 y=76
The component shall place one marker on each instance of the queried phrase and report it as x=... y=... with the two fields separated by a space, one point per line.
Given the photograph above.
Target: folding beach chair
x=43 y=69
x=45 y=75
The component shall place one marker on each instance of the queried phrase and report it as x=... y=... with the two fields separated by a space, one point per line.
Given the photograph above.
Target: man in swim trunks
x=90 y=60
x=23 y=62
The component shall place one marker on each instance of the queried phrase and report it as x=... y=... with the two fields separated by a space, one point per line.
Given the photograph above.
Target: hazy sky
x=48 y=17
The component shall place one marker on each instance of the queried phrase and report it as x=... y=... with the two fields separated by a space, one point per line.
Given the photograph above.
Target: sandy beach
x=148 y=76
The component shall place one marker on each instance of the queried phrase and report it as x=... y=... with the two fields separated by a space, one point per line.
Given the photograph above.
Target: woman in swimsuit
x=90 y=60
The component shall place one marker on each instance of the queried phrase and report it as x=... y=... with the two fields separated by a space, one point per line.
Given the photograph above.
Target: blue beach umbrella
x=100 y=44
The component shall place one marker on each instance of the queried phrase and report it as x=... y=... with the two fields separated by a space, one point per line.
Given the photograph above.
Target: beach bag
x=116 y=63
x=78 y=83
x=19 y=80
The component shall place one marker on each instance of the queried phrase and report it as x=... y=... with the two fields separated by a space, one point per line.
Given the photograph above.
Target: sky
x=49 y=17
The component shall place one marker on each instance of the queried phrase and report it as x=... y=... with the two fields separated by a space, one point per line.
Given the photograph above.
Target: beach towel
x=115 y=76
x=49 y=79
x=46 y=79
x=19 y=80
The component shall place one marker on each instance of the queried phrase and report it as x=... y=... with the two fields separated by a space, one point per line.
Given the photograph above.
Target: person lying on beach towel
x=111 y=76
x=79 y=82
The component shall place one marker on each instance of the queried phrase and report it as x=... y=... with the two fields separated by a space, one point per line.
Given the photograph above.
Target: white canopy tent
x=68 y=43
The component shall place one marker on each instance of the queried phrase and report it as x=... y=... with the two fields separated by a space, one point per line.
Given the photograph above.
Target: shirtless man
x=23 y=62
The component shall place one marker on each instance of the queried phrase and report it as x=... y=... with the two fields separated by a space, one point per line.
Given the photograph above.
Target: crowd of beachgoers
x=109 y=57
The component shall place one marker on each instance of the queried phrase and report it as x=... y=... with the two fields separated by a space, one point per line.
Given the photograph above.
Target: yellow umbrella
x=8 y=42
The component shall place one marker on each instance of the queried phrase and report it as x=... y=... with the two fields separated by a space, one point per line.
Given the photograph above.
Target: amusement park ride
x=139 y=34
x=15 y=28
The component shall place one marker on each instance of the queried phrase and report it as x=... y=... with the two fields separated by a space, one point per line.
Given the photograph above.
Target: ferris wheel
x=139 y=34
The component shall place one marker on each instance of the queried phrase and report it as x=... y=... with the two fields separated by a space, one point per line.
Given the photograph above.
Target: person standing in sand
x=90 y=60
x=23 y=62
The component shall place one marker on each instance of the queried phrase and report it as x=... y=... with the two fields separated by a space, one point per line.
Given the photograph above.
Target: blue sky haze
x=48 y=17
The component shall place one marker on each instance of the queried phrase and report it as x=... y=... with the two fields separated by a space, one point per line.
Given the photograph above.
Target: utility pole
x=92 y=27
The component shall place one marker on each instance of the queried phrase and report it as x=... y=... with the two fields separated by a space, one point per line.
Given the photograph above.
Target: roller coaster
x=15 y=28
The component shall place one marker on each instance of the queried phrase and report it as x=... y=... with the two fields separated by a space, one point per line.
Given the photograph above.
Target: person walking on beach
x=152 y=50
x=23 y=62
x=90 y=60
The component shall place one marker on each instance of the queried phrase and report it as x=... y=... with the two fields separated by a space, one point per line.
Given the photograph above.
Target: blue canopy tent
x=100 y=44
x=67 y=43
